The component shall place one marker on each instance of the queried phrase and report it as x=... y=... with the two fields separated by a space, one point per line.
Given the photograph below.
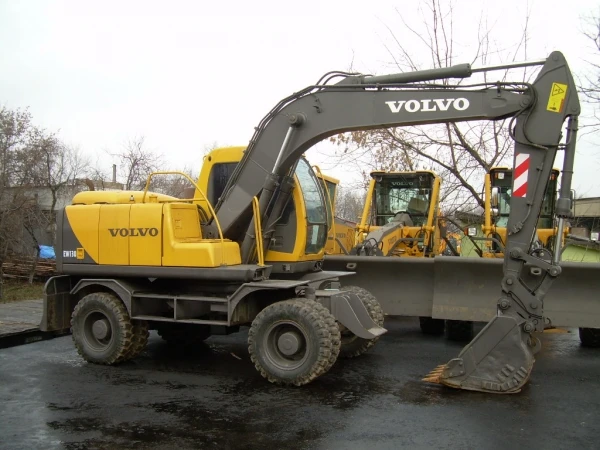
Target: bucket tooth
x=435 y=374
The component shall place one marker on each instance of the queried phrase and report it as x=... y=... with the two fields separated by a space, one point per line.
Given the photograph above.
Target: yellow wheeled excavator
x=137 y=260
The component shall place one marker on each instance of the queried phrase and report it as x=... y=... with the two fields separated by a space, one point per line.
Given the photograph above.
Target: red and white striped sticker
x=520 y=175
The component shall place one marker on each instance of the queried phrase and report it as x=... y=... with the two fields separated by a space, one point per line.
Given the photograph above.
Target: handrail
x=258 y=232
x=212 y=211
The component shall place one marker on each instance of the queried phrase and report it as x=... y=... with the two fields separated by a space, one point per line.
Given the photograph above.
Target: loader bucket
x=498 y=360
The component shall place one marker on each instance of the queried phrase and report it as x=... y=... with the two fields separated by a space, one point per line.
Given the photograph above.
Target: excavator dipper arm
x=500 y=358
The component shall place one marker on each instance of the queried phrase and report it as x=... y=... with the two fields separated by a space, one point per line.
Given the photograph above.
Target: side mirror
x=494 y=197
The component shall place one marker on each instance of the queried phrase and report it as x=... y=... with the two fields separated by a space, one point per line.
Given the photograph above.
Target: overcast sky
x=187 y=74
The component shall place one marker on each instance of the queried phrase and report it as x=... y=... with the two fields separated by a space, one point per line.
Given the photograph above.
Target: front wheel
x=290 y=342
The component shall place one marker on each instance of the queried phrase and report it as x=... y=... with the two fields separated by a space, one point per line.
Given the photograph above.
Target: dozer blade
x=498 y=360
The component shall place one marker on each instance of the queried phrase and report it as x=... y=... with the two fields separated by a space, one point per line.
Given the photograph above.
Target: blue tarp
x=47 y=252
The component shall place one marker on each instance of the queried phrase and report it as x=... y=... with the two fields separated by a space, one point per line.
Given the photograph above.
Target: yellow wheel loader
x=497 y=195
x=253 y=256
x=400 y=218
x=400 y=215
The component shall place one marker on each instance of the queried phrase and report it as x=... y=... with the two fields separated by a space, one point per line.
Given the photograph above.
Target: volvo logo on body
x=428 y=105
x=133 y=232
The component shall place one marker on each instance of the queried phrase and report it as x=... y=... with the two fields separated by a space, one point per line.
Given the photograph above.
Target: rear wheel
x=336 y=335
x=290 y=342
x=102 y=330
x=432 y=326
x=589 y=337
x=140 y=338
x=352 y=345
x=459 y=330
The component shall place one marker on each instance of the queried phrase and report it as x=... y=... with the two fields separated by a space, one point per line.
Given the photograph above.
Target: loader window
x=504 y=194
x=502 y=179
x=546 y=219
x=404 y=194
x=316 y=211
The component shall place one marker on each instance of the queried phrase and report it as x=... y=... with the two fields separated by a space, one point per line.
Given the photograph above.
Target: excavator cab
x=300 y=235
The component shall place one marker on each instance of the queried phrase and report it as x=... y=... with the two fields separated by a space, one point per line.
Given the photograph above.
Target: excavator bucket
x=498 y=360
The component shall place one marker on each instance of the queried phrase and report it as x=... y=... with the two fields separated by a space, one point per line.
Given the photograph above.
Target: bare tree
x=349 y=204
x=136 y=162
x=460 y=153
x=589 y=81
x=55 y=167
x=18 y=204
x=175 y=185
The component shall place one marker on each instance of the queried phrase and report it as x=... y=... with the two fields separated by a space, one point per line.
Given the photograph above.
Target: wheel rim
x=97 y=330
x=285 y=345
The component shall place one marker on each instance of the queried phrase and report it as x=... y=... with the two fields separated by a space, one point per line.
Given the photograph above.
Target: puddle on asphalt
x=97 y=434
x=77 y=406
x=190 y=425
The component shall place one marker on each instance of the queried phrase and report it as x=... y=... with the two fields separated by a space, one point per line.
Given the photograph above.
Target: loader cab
x=501 y=188
x=501 y=182
x=396 y=193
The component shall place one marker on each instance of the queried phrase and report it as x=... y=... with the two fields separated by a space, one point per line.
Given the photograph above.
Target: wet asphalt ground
x=50 y=398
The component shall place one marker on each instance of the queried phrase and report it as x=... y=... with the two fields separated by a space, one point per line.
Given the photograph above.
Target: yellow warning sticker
x=80 y=253
x=557 y=97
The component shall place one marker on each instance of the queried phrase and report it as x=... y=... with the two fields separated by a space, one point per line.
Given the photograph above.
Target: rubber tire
x=184 y=335
x=140 y=339
x=122 y=329
x=459 y=330
x=434 y=327
x=308 y=315
x=589 y=337
x=352 y=345
x=334 y=331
